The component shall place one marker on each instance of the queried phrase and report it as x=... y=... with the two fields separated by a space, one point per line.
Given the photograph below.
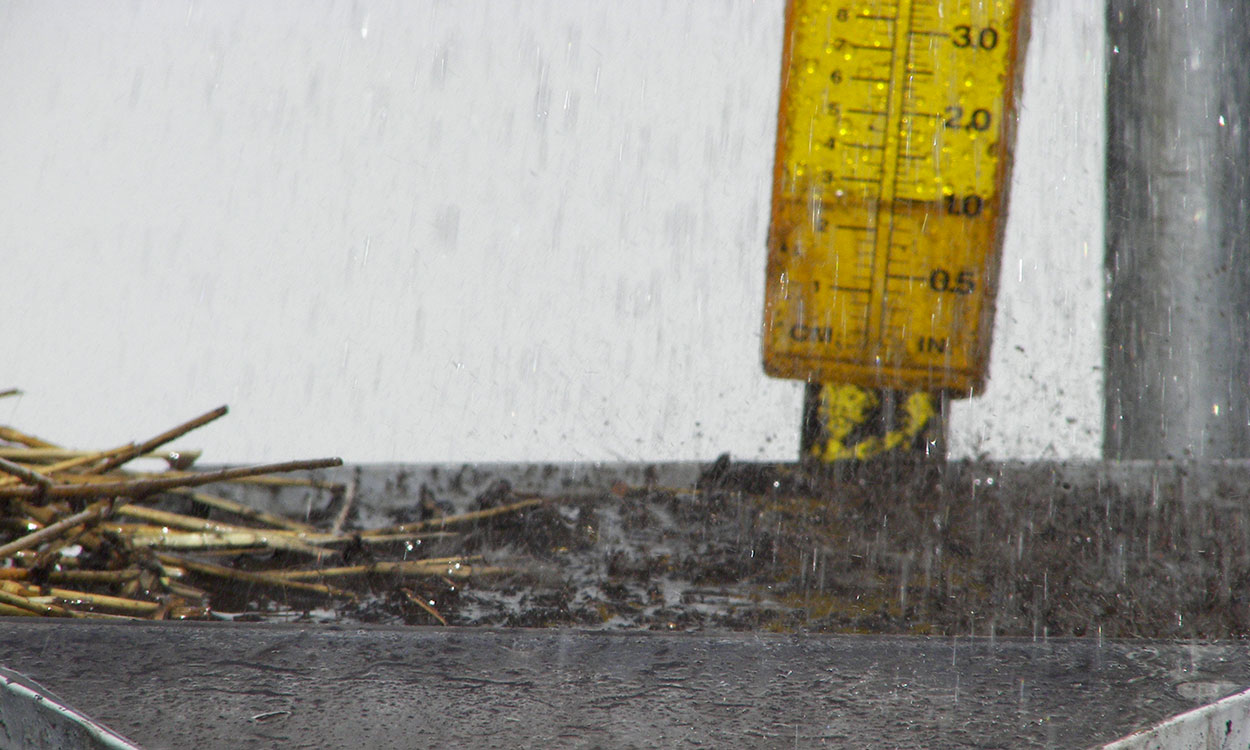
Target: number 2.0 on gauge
x=889 y=190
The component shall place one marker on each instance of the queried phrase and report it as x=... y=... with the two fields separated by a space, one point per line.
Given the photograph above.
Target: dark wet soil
x=893 y=547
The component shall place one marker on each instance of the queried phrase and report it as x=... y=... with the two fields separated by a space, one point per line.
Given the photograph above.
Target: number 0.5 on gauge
x=889 y=191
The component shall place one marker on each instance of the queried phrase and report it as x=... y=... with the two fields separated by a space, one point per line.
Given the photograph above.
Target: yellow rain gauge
x=890 y=191
x=890 y=183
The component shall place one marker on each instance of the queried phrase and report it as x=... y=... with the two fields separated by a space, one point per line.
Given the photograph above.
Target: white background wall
x=432 y=230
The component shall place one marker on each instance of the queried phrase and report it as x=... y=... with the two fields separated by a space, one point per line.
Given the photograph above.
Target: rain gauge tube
x=1178 y=230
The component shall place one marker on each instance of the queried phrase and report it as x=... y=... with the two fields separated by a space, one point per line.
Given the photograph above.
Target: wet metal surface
x=229 y=686
x=31 y=718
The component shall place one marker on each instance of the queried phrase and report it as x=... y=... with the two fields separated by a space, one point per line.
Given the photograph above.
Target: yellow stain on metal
x=890 y=189
x=845 y=408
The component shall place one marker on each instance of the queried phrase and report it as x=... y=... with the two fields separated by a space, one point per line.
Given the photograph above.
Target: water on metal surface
x=229 y=686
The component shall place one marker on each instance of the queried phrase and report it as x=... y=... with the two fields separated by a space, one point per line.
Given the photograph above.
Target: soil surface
x=892 y=547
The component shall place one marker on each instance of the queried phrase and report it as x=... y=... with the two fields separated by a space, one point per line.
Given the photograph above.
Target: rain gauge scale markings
x=889 y=191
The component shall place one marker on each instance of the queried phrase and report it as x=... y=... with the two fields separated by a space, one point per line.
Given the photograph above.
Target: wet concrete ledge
x=239 y=685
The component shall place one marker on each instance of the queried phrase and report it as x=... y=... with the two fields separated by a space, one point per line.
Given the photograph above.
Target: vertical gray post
x=1178 y=229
